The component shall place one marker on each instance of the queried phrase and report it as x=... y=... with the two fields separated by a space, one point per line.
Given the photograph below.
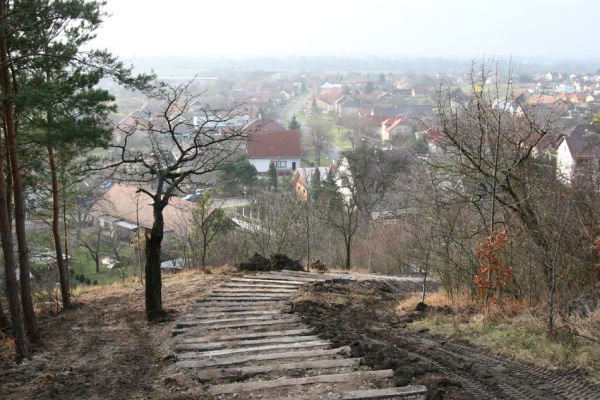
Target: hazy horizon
x=461 y=29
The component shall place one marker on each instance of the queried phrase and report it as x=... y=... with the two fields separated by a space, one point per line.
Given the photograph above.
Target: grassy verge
x=83 y=264
x=519 y=336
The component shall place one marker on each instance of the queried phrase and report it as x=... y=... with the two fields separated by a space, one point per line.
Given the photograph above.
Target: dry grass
x=513 y=331
x=105 y=348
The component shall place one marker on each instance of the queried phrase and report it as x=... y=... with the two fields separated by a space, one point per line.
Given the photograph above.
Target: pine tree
x=294 y=125
x=273 y=176
x=65 y=112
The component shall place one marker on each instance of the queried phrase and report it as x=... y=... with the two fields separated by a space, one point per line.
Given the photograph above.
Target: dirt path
x=243 y=342
x=362 y=315
x=105 y=349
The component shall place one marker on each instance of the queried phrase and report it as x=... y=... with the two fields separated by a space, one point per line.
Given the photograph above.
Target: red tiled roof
x=263 y=124
x=274 y=144
x=125 y=203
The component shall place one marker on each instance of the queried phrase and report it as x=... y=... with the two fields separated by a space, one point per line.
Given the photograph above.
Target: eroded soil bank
x=363 y=315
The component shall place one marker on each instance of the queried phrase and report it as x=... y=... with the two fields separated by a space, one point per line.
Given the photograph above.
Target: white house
x=282 y=147
x=577 y=155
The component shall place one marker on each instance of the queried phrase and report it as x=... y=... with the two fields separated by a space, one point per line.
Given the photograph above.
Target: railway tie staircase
x=243 y=342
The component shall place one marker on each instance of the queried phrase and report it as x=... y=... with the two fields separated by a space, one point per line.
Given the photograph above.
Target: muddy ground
x=364 y=316
x=105 y=349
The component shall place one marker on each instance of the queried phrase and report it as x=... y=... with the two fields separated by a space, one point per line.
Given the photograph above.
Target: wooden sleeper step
x=229 y=388
x=262 y=357
x=241 y=372
x=412 y=392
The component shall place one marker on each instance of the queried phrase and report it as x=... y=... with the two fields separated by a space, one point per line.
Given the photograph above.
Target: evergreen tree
x=273 y=176
x=64 y=112
x=294 y=125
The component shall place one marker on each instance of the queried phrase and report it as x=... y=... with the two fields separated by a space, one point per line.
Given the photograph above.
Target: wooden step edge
x=242 y=372
x=237 y=387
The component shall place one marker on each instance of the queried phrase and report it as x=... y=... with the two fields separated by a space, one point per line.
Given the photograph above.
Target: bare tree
x=320 y=136
x=490 y=139
x=91 y=243
x=181 y=147
x=338 y=206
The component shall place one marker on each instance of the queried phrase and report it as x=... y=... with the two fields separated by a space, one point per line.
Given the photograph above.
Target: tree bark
x=153 y=274
x=27 y=302
x=348 y=251
x=60 y=261
x=3 y=319
x=10 y=275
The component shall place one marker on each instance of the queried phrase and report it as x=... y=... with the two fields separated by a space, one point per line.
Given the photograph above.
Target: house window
x=282 y=164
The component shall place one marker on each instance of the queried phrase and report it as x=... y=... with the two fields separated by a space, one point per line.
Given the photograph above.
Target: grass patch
x=83 y=264
x=521 y=337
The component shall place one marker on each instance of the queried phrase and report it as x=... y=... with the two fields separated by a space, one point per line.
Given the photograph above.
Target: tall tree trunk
x=60 y=261
x=66 y=236
x=153 y=274
x=204 y=250
x=348 y=252
x=28 y=311
x=10 y=275
x=3 y=320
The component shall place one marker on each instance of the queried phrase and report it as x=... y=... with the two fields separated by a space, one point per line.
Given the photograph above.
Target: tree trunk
x=153 y=274
x=28 y=311
x=348 y=252
x=60 y=261
x=204 y=250
x=3 y=319
x=10 y=275
x=65 y=227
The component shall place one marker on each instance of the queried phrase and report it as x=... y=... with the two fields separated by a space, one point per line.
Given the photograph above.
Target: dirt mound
x=277 y=262
x=255 y=263
x=281 y=261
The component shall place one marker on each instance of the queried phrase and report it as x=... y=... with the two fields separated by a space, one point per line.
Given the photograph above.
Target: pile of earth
x=276 y=262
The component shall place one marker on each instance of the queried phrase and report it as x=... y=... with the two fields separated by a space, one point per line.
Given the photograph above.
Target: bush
x=87 y=281
x=95 y=283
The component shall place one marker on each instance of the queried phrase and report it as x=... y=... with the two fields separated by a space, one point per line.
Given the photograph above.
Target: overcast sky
x=444 y=28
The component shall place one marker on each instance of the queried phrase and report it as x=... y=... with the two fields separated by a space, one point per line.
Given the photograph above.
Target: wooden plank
x=282 y=278
x=240 y=372
x=253 y=291
x=198 y=321
x=272 y=281
x=230 y=299
x=230 y=314
x=246 y=350
x=281 y=321
x=248 y=296
x=372 y=394
x=204 y=346
x=247 y=336
x=238 y=307
x=262 y=357
x=228 y=388
x=296 y=276
x=207 y=304
x=257 y=286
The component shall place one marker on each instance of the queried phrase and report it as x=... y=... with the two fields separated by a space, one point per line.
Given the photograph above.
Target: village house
x=261 y=123
x=303 y=180
x=281 y=147
x=124 y=212
x=391 y=127
x=578 y=155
